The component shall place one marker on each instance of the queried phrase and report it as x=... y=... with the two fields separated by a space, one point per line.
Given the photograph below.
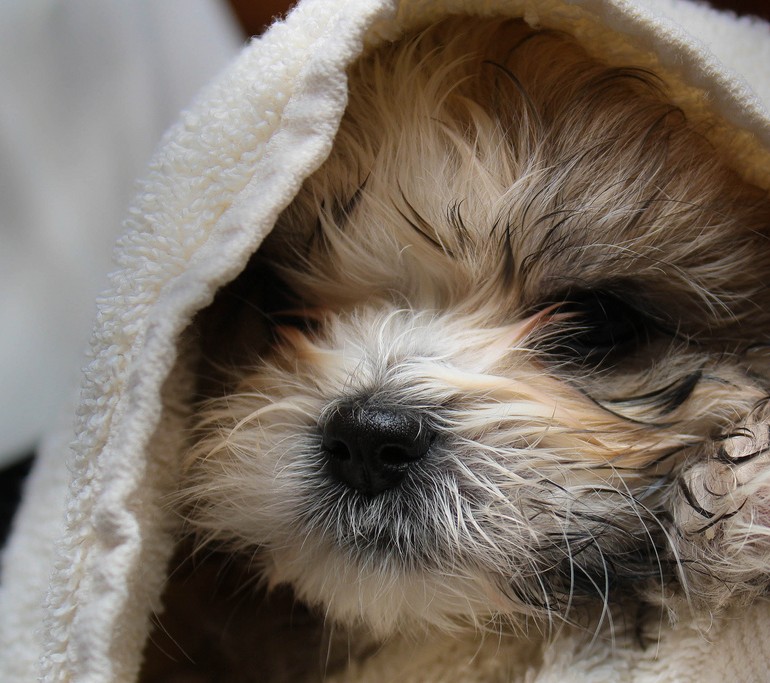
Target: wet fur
x=493 y=193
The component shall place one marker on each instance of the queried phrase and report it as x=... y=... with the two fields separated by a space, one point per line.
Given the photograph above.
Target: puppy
x=503 y=357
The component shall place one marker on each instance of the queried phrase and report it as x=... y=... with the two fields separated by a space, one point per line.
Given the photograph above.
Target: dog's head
x=511 y=335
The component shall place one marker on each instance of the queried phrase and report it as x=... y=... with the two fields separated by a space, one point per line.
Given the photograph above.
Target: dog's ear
x=720 y=513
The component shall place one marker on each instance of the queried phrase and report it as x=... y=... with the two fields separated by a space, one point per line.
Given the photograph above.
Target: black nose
x=370 y=449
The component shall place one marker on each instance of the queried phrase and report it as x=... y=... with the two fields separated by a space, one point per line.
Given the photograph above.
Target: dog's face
x=509 y=353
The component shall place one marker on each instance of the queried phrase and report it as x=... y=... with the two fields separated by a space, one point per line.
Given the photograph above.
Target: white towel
x=214 y=190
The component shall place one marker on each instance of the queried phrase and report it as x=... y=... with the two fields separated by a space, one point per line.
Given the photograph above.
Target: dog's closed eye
x=598 y=326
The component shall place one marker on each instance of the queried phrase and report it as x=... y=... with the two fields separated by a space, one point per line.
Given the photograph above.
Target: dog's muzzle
x=370 y=448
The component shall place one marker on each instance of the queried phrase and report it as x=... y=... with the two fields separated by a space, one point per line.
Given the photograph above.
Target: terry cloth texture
x=88 y=557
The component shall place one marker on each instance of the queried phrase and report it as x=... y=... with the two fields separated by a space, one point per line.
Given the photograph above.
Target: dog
x=502 y=358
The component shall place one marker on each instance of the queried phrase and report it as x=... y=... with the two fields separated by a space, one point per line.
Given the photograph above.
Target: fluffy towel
x=88 y=558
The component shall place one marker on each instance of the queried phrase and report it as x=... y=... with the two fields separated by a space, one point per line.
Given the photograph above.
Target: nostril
x=402 y=454
x=338 y=450
x=394 y=455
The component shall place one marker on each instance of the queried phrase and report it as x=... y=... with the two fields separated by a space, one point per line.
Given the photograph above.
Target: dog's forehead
x=586 y=175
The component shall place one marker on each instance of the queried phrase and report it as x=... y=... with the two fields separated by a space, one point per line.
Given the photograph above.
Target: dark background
x=255 y=16
x=759 y=8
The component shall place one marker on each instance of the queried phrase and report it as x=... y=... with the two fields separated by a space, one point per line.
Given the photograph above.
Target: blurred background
x=89 y=87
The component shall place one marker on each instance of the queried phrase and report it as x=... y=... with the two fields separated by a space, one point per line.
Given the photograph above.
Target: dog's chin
x=386 y=599
x=400 y=577
x=398 y=561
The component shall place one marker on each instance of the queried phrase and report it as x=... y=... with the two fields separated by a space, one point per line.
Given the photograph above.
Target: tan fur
x=488 y=185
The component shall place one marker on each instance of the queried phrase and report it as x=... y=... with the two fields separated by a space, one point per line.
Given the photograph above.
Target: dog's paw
x=720 y=535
